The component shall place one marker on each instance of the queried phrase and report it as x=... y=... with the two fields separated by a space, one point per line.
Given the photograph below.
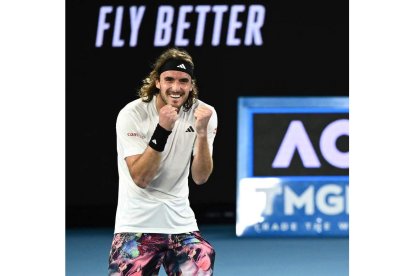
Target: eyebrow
x=172 y=78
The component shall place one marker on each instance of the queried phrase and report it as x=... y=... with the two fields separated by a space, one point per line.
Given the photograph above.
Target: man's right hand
x=168 y=115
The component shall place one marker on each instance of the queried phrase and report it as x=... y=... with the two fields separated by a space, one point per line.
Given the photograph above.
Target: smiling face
x=174 y=86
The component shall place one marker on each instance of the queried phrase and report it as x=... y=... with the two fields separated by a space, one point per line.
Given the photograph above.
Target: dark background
x=268 y=140
x=304 y=53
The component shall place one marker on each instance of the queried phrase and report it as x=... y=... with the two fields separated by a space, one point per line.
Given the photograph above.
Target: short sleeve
x=130 y=139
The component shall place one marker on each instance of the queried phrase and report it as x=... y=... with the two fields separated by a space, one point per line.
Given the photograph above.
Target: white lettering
x=234 y=25
x=317 y=226
x=271 y=194
x=136 y=20
x=346 y=197
x=293 y=200
x=328 y=147
x=330 y=199
x=275 y=227
x=284 y=226
x=102 y=25
x=335 y=204
x=296 y=138
x=255 y=21
x=218 y=10
x=265 y=226
x=116 y=39
x=163 y=28
x=202 y=10
x=182 y=25
x=343 y=225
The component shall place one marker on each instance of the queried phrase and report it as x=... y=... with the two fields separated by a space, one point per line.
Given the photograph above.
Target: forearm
x=144 y=168
x=202 y=165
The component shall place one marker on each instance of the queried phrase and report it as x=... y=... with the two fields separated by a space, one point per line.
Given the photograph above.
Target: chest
x=182 y=138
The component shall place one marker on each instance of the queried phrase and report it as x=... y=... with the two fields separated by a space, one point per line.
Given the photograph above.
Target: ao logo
x=296 y=138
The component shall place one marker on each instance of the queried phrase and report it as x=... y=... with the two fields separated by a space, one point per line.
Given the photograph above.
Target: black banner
x=243 y=48
x=301 y=144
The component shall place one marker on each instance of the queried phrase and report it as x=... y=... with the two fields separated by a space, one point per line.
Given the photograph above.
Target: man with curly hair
x=161 y=136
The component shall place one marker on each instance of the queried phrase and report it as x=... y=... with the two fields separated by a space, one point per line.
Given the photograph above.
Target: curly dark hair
x=149 y=89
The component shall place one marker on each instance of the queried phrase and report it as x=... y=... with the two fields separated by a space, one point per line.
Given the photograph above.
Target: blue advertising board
x=293 y=166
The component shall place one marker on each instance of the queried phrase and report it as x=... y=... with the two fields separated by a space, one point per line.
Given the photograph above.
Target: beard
x=164 y=98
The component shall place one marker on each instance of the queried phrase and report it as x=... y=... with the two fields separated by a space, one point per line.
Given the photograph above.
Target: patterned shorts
x=136 y=254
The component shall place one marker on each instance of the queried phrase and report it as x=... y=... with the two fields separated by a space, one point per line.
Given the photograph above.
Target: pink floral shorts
x=136 y=254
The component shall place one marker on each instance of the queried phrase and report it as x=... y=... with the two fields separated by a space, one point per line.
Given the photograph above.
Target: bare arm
x=202 y=165
x=144 y=167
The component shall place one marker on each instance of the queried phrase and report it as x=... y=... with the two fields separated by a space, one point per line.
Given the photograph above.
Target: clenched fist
x=202 y=115
x=168 y=116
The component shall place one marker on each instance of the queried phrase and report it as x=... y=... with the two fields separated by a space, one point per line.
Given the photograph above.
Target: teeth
x=175 y=96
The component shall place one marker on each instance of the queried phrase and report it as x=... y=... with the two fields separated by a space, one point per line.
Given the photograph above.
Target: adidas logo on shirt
x=181 y=66
x=190 y=129
x=154 y=141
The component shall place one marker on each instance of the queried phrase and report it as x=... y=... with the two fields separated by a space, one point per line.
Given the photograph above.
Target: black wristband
x=159 y=138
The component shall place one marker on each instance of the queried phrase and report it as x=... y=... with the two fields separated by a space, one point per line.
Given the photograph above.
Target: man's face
x=174 y=86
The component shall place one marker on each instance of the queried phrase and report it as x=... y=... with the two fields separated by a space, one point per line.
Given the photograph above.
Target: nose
x=175 y=87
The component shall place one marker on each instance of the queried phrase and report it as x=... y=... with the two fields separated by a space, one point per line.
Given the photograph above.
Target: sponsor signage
x=293 y=166
x=180 y=25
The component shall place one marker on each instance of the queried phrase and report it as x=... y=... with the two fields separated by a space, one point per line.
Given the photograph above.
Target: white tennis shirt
x=162 y=207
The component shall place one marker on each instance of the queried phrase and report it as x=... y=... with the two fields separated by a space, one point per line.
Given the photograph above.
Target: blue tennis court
x=87 y=253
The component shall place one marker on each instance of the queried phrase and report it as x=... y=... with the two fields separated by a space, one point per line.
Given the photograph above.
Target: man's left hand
x=202 y=115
